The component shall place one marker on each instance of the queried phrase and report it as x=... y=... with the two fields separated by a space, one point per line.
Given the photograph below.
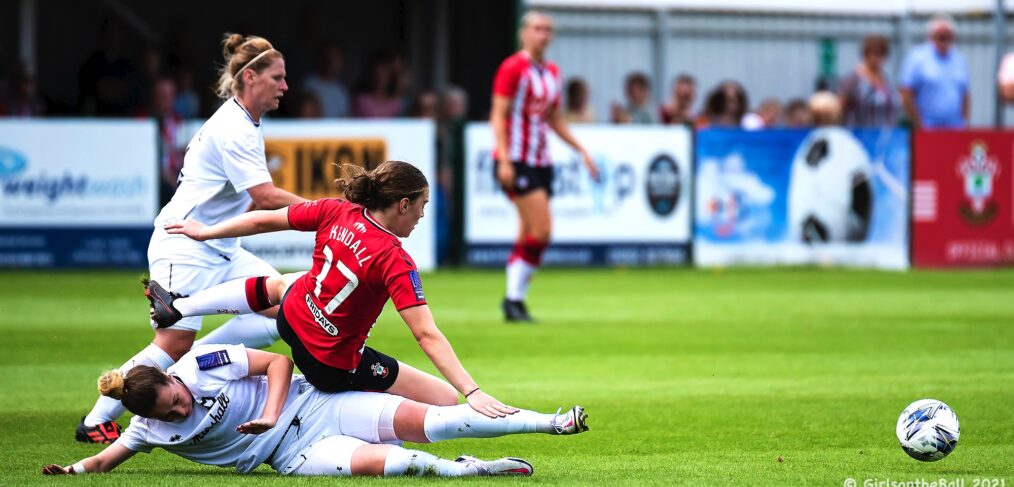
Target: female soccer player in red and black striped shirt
x=526 y=100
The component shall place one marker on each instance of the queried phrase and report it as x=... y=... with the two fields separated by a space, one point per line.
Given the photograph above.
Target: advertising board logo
x=977 y=171
x=663 y=184
x=11 y=162
x=19 y=180
x=307 y=166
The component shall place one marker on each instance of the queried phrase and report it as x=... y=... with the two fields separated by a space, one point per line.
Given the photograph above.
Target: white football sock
x=418 y=463
x=461 y=421
x=252 y=330
x=227 y=298
x=519 y=275
x=107 y=408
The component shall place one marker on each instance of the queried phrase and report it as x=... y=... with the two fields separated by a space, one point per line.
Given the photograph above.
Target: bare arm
x=559 y=125
x=966 y=107
x=278 y=368
x=420 y=321
x=908 y=102
x=267 y=196
x=498 y=120
x=104 y=461
x=252 y=223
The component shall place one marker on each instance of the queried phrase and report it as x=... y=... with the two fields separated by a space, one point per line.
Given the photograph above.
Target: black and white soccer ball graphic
x=928 y=430
x=831 y=192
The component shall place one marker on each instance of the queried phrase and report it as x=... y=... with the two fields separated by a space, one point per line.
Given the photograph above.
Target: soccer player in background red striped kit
x=526 y=100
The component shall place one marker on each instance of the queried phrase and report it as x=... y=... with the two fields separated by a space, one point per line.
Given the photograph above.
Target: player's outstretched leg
x=236 y=297
x=343 y=456
x=449 y=422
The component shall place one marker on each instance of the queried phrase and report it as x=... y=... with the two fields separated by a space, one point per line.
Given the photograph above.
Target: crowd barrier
x=828 y=196
x=638 y=213
x=83 y=193
x=963 y=201
x=77 y=193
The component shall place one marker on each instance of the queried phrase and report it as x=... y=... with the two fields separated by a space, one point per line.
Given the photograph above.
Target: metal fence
x=773 y=56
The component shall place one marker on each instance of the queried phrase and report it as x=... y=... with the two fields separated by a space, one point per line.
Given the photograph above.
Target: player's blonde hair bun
x=111 y=384
x=242 y=52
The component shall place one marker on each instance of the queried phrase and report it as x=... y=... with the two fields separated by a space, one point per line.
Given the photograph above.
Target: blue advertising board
x=827 y=196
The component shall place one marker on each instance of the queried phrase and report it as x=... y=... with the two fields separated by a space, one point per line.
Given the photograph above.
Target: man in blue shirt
x=934 y=80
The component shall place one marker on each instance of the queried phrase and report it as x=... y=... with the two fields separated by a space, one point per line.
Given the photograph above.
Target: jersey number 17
x=340 y=294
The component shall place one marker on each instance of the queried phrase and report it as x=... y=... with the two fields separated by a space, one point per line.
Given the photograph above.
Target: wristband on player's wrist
x=77 y=469
x=470 y=393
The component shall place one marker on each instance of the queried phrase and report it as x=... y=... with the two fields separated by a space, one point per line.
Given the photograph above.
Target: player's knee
x=540 y=235
x=276 y=289
x=445 y=396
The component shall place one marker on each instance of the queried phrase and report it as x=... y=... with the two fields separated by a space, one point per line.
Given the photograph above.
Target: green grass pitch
x=690 y=377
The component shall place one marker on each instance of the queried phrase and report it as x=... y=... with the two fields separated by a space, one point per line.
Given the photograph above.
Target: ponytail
x=382 y=187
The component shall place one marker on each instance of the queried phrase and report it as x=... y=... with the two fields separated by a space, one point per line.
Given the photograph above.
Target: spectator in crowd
x=152 y=69
x=797 y=113
x=426 y=105
x=639 y=108
x=578 y=109
x=108 y=81
x=1005 y=78
x=768 y=115
x=187 y=104
x=725 y=106
x=308 y=105
x=21 y=99
x=866 y=97
x=170 y=125
x=380 y=93
x=325 y=83
x=679 y=109
x=825 y=109
x=934 y=80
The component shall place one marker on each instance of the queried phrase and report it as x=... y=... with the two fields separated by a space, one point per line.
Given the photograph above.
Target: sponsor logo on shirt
x=359 y=226
x=319 y=317
x=216 y=417
x=416 y=285
x=211 y=360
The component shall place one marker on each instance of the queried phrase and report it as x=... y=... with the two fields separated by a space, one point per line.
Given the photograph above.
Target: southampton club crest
x=379 y=370
x=978 y=170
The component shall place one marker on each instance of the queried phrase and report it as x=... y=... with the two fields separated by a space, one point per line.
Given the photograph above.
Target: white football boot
x=572 y=422
x=504 y=466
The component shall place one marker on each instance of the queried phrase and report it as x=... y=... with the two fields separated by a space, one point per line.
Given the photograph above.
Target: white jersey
x=223 y=160
x=224 y=398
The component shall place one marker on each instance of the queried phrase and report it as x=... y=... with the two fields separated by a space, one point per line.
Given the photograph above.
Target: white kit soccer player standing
x=224 y=172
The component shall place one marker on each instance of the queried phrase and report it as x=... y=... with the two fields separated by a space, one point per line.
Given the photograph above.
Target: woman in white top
x=224 y=172
x=230 y=406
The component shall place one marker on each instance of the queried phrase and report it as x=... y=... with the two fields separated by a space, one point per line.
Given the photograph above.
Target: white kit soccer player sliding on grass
x=224 y=171
x=326 y=314
x=229 y=406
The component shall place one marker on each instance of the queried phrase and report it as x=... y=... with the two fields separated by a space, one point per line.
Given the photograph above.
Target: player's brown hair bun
x=385 y=185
